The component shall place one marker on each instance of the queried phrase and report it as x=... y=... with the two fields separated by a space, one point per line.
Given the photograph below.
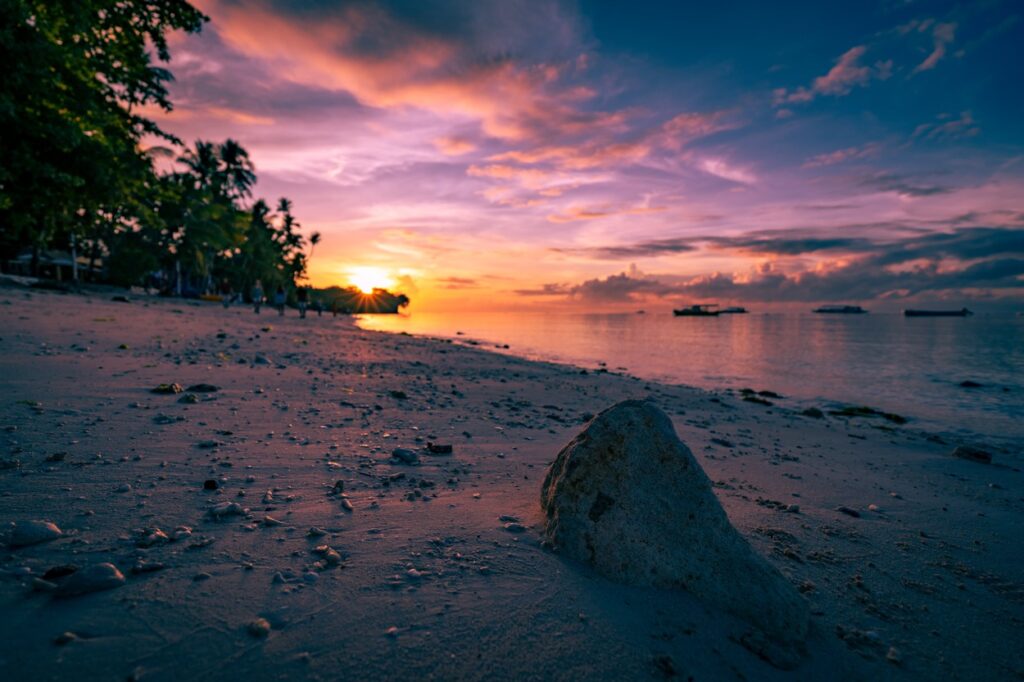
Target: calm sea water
x=913 y=367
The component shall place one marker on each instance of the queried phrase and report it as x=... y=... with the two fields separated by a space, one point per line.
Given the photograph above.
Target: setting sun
x=366 y=278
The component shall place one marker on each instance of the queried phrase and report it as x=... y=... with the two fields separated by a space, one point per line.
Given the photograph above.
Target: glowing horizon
x=497 y=155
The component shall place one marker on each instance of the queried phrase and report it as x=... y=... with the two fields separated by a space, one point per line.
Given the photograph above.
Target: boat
x=840 y=310
x=699 y=310
x=733 y=310
x=963 y=312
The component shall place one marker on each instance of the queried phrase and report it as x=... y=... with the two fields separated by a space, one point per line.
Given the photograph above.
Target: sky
x=493 y=154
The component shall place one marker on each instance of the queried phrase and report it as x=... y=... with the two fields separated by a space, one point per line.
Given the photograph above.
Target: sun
x=368 y=278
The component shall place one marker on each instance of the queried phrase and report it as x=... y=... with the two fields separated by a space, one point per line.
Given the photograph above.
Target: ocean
x=914 y=367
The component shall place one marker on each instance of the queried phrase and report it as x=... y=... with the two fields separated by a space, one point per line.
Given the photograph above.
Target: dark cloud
x=970 y=259
x=546 y=290
x=902 y=185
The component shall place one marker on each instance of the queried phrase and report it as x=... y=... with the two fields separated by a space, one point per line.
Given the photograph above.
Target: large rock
x=628 y=497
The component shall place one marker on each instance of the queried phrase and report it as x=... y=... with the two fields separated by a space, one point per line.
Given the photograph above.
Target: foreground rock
x=94 y=578
x=27 y=533
x=628 y=497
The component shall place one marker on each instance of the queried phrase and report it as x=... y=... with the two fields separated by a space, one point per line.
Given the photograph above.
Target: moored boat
x=963 y=312
x=699 y=310
x=733 y=310
x=840 y=310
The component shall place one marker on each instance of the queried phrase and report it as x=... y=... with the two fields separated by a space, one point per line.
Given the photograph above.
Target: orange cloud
x=411 y=69
x=454 y=146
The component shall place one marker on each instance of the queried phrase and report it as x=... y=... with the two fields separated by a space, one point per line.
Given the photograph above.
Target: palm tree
x=237 y=168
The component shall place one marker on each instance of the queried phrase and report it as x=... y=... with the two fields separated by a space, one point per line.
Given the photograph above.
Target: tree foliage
x=79 y=78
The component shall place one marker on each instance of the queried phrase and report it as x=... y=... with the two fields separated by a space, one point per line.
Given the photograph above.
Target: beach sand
x=439 y=571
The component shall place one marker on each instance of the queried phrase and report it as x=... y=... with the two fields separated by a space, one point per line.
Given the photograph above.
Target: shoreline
x=428 y=580
x=960 y=433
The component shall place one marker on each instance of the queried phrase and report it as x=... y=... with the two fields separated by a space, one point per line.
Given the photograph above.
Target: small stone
x=168 y=389
x=346 y=504
x=65 y=638
x=973 y=454
x=392 y=632
x=873 y=507
x=28 y=533
x=405 y=455
x=316 y=532
x=124 y=488
x=202 y=388
x=894 y=655
x=225 y=509
x=189 y=399
x=271 y=521
x=181 y=532
x=94 y=578
x=259 y=627
x=439 y=449
x=793 y=508
x=514 y=527
x=152 y=537
x=849 y=512
x=210 y=484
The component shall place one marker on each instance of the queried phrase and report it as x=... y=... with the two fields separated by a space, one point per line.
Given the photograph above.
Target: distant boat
x=700 y=310
x=840 y=309
x=733 y=310
x=963 y=312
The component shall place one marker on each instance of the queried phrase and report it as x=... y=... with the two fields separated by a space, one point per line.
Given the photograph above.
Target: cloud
x=964 y=260
x=901 y=185
x=457 y=283
x=841 y=155
x=454 y=146
x=449 y=59
x=947 y=128
x=577 y=213
x=942 y=35
x=841 y=79
x=723 y=169
x=604 y=150
x=545 y=290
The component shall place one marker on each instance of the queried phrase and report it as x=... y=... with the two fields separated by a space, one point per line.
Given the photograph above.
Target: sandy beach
x=293 y=544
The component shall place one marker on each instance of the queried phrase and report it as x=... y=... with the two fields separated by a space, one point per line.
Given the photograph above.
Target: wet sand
x=436 y=569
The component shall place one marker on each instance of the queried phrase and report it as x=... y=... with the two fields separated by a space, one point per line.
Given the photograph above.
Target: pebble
x=514 y=527
x=392 y=632
x=894 y=655
x=405 y=455
x=849 y=512
x=124 y=488
x=27 y=533
x=210 y=484
x=94 y=578
x=346 y=504
x=65 y=638
x=225 y=509
x=151 y=537
x=316 y=532
x=259 y=627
